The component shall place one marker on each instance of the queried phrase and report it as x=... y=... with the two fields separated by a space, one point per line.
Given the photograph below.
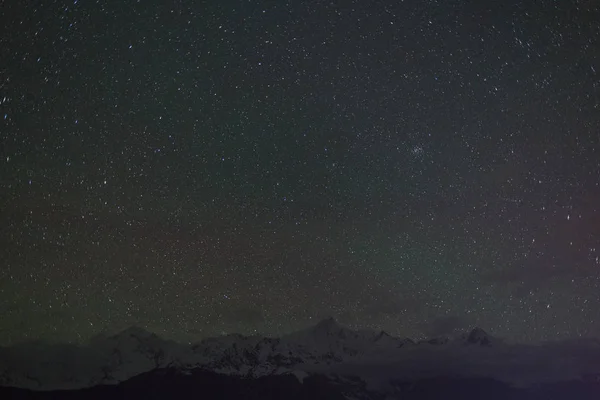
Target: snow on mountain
x=134 y=350
x=326 y=348
x=480 y=337
x=328 y=341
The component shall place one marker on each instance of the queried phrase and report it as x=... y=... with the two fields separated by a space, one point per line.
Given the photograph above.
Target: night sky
x=201 y=168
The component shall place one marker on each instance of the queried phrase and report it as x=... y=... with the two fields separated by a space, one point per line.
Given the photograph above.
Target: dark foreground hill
x=205 y=385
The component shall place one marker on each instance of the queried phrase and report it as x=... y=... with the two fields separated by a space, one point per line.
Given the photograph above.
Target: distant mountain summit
x=480 y=337
x=135 y=331
x=328 y=327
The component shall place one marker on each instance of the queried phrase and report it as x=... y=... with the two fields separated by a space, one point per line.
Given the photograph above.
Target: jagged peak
x=328 y=326
x=479 y=336
x=384 y=337
x=478 y=330
x=382 y=334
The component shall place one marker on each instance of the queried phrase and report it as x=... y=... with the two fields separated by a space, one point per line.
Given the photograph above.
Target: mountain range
x=327 y=360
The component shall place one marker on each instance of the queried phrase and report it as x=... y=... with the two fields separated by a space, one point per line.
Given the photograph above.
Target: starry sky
x=200 y=168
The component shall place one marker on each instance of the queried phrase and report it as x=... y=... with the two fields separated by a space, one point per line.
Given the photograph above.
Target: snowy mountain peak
x=135 y=331
x=328 y=326
x=480 y=337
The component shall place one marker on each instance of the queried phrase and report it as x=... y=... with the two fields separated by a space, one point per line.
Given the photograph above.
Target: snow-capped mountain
x=480 y=337
x=327 y=349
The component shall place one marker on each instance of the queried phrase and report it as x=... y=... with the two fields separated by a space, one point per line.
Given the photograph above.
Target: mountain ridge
x=327 y=348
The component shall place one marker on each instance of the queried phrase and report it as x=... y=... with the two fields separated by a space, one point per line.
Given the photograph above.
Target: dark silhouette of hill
x=205 y=385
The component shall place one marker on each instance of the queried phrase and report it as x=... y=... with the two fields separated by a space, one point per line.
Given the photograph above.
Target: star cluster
x=215 y=167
